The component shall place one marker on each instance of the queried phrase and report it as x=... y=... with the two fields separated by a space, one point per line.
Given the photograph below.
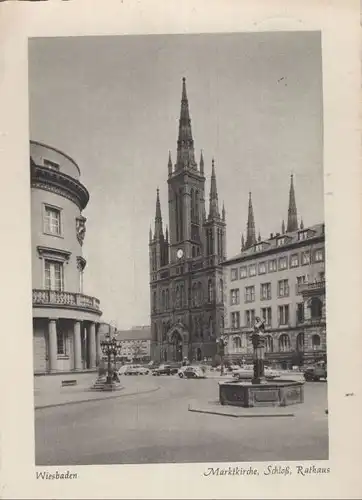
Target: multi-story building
x=186 y=277
x=281 y=280
x=64 y=318
x=134 y=344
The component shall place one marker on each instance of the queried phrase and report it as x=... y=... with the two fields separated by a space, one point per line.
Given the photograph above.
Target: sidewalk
x=48 y=391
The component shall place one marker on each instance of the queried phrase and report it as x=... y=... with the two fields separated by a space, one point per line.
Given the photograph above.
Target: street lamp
x=222 y=343
x=110 y=347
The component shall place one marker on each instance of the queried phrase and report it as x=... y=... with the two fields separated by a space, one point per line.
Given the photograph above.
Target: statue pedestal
x=264 y=394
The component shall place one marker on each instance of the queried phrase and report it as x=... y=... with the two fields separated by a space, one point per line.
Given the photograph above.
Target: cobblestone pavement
x=157 y=427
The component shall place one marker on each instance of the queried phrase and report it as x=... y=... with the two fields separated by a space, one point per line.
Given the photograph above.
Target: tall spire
x=259 y=237
x=223 y=212
x=185 y=143
x=150 y=234
x=292 y=210
x=301 y=224
x=242 y=242
x=214 y=203
x=201 y=163
x=166 y=237
x=158 y=217
x=169 y=163
x=283 y=227
x=250 y=227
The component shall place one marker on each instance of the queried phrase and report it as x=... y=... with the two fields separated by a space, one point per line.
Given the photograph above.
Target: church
x=186 y=274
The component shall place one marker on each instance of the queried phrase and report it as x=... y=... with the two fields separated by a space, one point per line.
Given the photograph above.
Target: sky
x=113 y=104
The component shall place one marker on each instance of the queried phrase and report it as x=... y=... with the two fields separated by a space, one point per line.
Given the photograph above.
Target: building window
x=319 y=256
x=61 y=343
x=300 y=342
x=283 y=263
x=210 y=291
x=316 y=308
x=235 y=319
x=249 y=293
x=283 y=315
x=252 y=270
x=266 y=314
x=262 y=268
x=250 y=318
x=302 y=235
x=53 y=275
x=269 y=344
x=300 y=312
x=52 y=223
x=283 y=288
x=243 y=272
x=51 y=164
x=280 y=242
x=234 y=274
x=234 y=296
x=294 y=260
x=272 y=265
x=305 y=258
x=316 y=342
x=237 y=342
x=265 y=291
x=284 y=343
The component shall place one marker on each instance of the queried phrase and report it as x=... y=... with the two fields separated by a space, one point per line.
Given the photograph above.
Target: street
x=158 y=428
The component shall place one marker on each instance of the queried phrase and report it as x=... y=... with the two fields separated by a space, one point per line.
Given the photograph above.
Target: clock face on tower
x=179 y=253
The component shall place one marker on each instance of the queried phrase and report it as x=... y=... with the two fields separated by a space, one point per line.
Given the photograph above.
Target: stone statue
x=258 y=341
x=80 y=228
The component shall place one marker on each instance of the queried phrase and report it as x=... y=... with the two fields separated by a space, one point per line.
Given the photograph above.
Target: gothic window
x=211 y=328
x=163 y=300
x=200 y=297
x=269 y=344
x=300 y=342
x=197 y=207
x=192 y=205
x=167 y=298
x=177 y=297
x=182 y=295
x=210 y=291
x=181 y=215
x=193 y=294
x=177 y=209
x=284 y=343
x=193 y=251
x=221 y=291
x=164 y=332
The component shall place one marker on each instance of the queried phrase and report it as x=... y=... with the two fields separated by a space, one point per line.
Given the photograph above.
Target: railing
x=55 y=298
x=309 y=287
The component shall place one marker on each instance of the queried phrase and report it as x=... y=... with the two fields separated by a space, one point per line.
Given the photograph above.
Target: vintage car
x=247 y=372
x=193 y=372
x=165 y=370
x=136 y=370
x=315 y=372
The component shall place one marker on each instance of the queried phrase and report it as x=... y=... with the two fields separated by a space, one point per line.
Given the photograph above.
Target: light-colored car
x=193 y=372
x=136 y=370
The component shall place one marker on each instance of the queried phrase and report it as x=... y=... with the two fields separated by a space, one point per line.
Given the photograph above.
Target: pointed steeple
x=250 y=226
x=292 y=209
x=214 y=203
x=166 y=237
x=301 y=224
x=242 y=242
x=185 y=143
x=158 y=217
x=223 y=212
x=201 y=163
x=283 y=227
x=169 y=163
x=259 y=237
x=150 y=234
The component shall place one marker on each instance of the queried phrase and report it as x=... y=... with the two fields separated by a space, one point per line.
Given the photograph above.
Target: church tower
x=292 y=209
x=185 y=267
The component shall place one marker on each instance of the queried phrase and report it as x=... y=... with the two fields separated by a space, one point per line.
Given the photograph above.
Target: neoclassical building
x=282 y=280
x=65 y=320
x=186 y=276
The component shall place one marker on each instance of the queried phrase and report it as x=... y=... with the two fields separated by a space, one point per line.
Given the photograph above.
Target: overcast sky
x=113 y=104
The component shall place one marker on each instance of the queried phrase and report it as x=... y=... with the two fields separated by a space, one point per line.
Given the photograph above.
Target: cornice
x=59 y=183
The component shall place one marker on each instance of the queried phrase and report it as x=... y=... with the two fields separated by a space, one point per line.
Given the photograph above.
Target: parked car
x=193 y=372
x=165 y=370
x=315 y=372
x=136 y=370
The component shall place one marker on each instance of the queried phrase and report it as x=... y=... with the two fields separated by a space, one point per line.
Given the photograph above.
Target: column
x=53 y=345
x=77 y=347
x=98 y=346
x=92 y=345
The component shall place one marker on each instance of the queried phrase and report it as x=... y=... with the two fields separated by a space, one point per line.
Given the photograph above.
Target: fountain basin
x=265 y=394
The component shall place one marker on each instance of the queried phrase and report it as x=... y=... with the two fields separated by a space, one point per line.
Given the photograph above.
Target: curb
x=54 y=405
x=233 y=415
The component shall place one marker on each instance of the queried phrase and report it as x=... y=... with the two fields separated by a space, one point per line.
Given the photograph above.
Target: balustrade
x=61 y=298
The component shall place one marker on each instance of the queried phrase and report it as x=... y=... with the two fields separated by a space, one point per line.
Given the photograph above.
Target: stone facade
x=186 y=277
x=65 y=320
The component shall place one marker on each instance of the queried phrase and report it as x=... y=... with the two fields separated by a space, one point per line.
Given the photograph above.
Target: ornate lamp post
x=110 y=347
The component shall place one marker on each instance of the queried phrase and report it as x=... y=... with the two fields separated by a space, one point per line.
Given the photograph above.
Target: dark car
x=165 y=370
x=315 y=373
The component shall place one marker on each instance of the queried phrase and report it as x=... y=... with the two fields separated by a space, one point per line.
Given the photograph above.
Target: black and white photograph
x=178 y=248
